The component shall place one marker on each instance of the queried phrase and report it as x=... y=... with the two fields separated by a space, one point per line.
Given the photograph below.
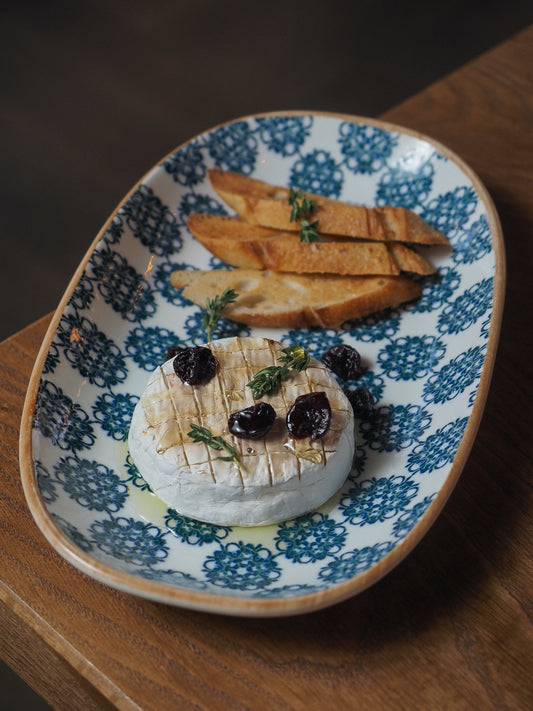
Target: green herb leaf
x=308 y=231
x=203 y=435
x=295 y=357
x=302 y=208
x=268 y=379
x=214 y=308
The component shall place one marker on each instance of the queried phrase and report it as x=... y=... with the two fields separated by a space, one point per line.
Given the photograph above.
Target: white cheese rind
x=276 y=485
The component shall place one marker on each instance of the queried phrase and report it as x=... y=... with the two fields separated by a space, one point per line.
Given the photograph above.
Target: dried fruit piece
x=362 y=402
x=172 y=351
x=344 y=361
x=310 y=416
x=195 y=365
x=252 y=422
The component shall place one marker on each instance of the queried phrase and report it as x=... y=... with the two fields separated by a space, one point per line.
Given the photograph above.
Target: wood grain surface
x=450 y=628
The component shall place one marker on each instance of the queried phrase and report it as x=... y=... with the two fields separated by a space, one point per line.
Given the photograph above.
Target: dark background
x=94 y=93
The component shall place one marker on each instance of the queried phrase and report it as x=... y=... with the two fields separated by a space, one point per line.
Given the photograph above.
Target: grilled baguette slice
x=285 y=300
x=240 y=244
x=260 y=203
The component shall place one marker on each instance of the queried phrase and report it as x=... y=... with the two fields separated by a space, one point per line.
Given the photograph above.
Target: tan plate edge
x=238 y=606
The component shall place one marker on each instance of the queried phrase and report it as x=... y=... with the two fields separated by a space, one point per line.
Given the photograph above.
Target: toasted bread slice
x=283 y=300
x=260 y=203
x=240 y=244
x=407 y=260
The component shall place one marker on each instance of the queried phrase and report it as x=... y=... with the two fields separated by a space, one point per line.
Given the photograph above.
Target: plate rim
x=234 y=604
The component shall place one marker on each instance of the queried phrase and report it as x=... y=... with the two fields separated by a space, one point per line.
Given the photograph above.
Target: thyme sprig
x=203 y=435
x=214 y=308
x=268 y=379
x=302 y=208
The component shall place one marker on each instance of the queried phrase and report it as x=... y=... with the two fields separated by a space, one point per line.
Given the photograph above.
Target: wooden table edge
x=80 y=666
x=83 y=678
x=59 y=660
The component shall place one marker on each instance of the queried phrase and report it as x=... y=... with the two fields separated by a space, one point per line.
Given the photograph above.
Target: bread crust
x=240 y=244
x=260 y=203
x=285 y=300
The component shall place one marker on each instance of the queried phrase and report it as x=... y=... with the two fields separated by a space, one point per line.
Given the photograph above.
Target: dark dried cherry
x=310 y=416
x=362 y=402
x=252 y=422
x=344 y=361
x=195 y=365
x=172 y=351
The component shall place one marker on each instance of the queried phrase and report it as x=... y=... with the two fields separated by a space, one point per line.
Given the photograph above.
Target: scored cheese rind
x=274 y=484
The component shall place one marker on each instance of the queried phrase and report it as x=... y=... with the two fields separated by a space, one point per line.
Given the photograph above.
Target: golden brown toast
x=260 y=203
x=284 y=300
x=241 y=244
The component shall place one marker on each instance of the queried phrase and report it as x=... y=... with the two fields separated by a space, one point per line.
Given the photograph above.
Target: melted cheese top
x=171 y=406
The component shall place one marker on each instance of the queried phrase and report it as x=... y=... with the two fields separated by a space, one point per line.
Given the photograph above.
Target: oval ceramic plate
x=428 y=366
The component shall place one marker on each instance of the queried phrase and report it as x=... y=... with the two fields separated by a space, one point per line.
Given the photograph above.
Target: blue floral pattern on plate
x=424 y=365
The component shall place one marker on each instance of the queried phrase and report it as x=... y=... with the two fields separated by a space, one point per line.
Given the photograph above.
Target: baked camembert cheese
x=274 y=478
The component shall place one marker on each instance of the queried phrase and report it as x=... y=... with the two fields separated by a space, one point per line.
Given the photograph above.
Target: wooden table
x=451 y=627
